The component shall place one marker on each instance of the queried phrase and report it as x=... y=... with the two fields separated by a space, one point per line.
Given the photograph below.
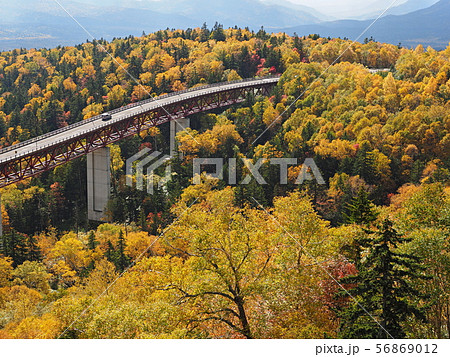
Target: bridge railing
x=120 y=109
x=192 y=89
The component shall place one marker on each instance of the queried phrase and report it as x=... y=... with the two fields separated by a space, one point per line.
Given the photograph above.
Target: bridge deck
x=64 y=134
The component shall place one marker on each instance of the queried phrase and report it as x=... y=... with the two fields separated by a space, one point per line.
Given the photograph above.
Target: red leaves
x=145 y=145
x=338 y=270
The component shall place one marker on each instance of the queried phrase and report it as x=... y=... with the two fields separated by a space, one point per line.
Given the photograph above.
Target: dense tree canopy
x=233 y=261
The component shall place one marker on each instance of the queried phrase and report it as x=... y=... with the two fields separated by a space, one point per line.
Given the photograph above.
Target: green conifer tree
x=15 y=246
x=360 y=209
x=34 y=252
x=364 y=164
x=110 y=252
x=382 y=287
x=92 y=243
x=122 y=260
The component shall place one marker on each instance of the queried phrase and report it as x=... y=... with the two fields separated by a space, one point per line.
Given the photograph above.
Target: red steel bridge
x=34 y=156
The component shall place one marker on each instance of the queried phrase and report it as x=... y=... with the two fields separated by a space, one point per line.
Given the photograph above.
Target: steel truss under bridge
x=34 y=156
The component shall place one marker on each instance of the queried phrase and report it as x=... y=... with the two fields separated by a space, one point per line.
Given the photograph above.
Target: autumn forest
x=365 y=255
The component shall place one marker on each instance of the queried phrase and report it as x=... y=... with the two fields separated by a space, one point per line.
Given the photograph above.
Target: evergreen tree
x=298 y=44
x=254 y=191
x=92 y=243
x=382 y=288
x=204 y=33
x=142 y=220
x=164 y=87
x=52 y=112
x=110 y=252
x=262 y=34
x=122 y=260
x=364 y=164
x=15 y=246
x=360 y=209
x=245 y=63
x=34 y=252
x=218 y=33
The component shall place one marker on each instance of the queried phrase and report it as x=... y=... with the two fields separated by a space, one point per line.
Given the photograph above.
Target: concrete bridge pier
x=98 y=183
x=175 y=127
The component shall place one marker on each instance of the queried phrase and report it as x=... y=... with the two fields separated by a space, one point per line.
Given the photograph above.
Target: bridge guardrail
x=117 y=110
x=81 y=133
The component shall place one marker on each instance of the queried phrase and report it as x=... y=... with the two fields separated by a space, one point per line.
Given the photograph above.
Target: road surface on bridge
x=62 y=135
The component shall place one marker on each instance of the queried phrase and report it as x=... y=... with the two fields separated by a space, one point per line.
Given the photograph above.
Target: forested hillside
x=220 y=261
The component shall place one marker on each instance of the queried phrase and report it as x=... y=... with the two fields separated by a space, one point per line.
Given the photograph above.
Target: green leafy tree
x=432 y=246
x=33 y=275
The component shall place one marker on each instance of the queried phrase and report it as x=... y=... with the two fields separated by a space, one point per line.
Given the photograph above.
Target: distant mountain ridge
x=243 y=13
x=430 y=27
x=288 y=4
x=42 y=23
x=405 y=8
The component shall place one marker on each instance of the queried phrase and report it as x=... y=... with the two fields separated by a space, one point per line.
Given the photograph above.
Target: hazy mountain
x=297 y=7
x=361 y=8
x=42 y=23
x=349 y=9
x=251 y=13
x=428 y=26
x=405 y=8
x=194 y=7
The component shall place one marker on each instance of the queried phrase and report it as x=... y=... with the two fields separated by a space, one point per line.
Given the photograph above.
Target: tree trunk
x=243 y=317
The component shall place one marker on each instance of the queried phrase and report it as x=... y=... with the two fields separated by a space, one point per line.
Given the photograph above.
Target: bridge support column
x=98 y=183
x=175 y=127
